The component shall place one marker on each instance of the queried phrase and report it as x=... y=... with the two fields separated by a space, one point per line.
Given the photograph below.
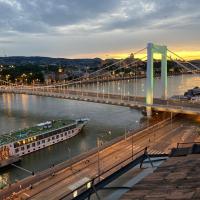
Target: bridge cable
x=196 y=67
x=180 y=64
x=121 y=60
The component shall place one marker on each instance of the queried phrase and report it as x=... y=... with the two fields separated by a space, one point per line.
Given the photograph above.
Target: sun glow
x=187 y=55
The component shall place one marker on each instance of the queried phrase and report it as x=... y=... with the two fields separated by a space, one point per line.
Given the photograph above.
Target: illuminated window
x=89 y=185
x=75 y=193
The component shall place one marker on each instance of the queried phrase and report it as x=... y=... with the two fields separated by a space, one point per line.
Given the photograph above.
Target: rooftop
x=32 y=131
x=177 y=178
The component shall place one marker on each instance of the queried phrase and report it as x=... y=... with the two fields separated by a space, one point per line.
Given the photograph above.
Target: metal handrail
x=104 y=172
x=184 y=143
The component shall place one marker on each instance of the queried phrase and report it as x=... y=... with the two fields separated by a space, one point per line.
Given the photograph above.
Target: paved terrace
x=185 y=107
x=177 y=178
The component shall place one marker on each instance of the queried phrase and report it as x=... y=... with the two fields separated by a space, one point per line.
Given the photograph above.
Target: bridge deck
x=185 y=107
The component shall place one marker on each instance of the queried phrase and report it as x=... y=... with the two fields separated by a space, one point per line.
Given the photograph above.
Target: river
x=106 y=121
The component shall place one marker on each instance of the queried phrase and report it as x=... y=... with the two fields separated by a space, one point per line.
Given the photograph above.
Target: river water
x=177 y=85
x=106 y=121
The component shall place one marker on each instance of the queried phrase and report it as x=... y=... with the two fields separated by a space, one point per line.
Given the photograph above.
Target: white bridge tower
x=151 y=49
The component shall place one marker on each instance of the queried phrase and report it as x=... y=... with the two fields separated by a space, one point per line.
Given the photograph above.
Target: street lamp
x=99 y=144
x=98 y=164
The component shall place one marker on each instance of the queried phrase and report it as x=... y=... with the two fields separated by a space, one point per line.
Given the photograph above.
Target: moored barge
x=18 y=143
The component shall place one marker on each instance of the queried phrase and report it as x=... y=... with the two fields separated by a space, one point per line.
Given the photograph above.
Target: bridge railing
x=186 y=144
x=97 y=182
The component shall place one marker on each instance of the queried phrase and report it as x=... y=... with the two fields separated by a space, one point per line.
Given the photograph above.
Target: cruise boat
x=18 y=143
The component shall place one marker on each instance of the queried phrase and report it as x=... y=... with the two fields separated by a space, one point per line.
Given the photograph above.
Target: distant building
x=49 y=77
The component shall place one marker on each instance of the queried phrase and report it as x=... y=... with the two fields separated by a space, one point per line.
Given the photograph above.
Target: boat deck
x=32 y=131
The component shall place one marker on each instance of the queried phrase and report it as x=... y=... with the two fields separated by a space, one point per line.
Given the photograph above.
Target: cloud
x=6 y=42
x=155 y=14
x=43 y=16
x=70 y=27
x=54 y=16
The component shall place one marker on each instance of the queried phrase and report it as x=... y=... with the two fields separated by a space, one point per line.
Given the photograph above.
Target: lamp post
x=98 y=164
x=132 y=140
x=171 y=119
x=99 y=144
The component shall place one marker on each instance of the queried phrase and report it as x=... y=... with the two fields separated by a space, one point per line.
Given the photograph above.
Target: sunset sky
x=98 y=28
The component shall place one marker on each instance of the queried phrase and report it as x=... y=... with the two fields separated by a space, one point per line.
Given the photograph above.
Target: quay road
x=174 y=106
x=159 y=138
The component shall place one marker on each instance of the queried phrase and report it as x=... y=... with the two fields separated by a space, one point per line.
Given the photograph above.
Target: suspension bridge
x=95 y=169
x=93 y=88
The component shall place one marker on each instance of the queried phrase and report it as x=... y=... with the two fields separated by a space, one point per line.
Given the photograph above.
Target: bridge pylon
x=151 y=49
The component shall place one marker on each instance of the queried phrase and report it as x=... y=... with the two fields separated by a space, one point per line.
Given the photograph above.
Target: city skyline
x=88 y=29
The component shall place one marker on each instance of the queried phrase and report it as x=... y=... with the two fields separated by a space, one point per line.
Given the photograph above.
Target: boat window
x=16 y=150
x=22 y=148
x=43 y=141
x=40 y=137
x=72 y=126
x=65 y=133
x=53 y=133
x=53 y=138
x=49 y=139
x=57 y=136
x=59 y=131
x=61 y=135
x=28 y=146
x=50 y=134
x=38 y=143
x=33 y=144
x=16 y=144
x=72 y=130
x=66 y=129
x=47 y=135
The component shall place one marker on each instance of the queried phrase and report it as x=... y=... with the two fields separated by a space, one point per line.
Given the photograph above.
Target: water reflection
x=35 y=109
x=176 y=85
